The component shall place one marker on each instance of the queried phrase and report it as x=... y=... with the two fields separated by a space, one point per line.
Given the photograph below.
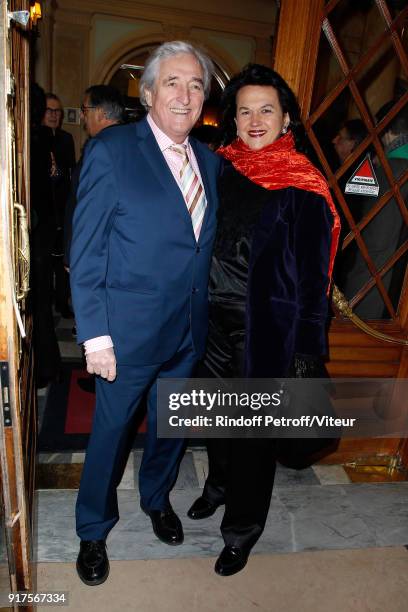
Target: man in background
x=102 y=107
x=62 y=164
x=349 y=136
x=43 y=235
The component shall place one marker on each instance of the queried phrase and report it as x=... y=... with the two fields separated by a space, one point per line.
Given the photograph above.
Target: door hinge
x=5 y=392
x=20 y=17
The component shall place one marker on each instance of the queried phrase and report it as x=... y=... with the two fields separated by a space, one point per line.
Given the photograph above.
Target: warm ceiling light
x=35 y=12
x=210 y=117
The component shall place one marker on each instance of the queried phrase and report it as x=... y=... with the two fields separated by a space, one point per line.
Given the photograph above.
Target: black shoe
x=231 y=560
x=202 y=509
x=166 y=525
x=92 y=563
x=87 y=384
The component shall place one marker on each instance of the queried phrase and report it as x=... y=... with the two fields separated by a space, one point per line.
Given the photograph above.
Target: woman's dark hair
x=256 y=74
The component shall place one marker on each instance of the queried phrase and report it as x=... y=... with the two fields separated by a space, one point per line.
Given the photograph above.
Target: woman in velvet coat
x=273 y=256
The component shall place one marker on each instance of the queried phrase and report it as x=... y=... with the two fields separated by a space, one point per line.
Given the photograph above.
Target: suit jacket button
x=198 y=249
x=194 y=290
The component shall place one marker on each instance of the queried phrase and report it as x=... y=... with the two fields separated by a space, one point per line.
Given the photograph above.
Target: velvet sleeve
x=312 y=247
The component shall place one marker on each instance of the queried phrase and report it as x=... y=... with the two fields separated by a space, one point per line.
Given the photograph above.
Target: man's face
x=53 y=114
x=177 y=97
x=90 y=115
x=343 y=144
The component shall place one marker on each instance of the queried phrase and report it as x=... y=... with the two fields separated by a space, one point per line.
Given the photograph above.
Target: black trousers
x=61 y=282
x=241 y=471
x=47 y=354
x=250 y=476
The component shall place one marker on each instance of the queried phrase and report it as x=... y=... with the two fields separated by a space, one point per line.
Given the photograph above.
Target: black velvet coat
x=282 y=238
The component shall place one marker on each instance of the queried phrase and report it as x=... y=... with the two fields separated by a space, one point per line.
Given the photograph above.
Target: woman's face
x=259 y=117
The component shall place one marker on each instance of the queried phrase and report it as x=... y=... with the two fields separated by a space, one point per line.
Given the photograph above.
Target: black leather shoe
x=231 y=560
x=166 y=525
x=92 y=563
x=202 y=509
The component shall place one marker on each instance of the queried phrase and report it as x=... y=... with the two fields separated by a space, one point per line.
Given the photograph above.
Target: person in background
x=349 y=136
x=143 y=232
x=62 y=164
x=270 y=275
x=102 y=107
x=43 y=236
x=351 y=133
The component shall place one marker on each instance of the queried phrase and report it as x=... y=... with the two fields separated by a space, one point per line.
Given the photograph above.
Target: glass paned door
x=358 y=125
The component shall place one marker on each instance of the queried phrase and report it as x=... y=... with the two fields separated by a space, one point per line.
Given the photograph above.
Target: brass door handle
x=341 y=303
x=23 y=253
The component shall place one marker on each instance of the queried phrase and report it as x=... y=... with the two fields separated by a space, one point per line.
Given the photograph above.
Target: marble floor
x=314 y=509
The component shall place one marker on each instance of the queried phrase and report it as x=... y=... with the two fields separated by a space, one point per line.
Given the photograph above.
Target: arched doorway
x=126 y=72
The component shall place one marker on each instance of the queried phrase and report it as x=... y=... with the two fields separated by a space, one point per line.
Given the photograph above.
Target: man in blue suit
x=143 y=232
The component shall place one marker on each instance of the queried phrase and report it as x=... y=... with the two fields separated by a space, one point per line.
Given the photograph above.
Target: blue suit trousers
x=108 y=448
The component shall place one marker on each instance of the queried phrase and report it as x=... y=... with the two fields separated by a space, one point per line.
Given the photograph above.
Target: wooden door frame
x=12 y=444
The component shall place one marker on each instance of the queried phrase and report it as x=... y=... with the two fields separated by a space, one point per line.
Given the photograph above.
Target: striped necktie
x=192 y=190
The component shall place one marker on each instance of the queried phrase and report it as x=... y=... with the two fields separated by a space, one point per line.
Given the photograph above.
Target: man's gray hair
x=166 y=50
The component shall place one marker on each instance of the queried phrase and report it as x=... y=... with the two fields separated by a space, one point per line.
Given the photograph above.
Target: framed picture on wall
x=71 y=115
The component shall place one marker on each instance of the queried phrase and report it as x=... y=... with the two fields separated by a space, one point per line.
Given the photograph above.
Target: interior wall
x=82 y=42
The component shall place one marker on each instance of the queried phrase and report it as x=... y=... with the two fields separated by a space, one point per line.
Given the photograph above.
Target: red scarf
x=279 y=165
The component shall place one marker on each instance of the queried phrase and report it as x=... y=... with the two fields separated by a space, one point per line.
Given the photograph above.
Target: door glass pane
x=394 y=280
x=328 y=72
x=394 y=138
x=356 y=26
x=372 y=305
x=385 y=233
x=382 y=79
x=331 y=133
x=396 y=6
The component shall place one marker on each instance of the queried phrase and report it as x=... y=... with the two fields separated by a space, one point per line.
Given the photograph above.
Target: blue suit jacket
x=137 y=272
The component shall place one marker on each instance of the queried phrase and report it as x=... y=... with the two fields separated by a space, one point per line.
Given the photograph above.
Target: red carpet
x=80 y=407
x=68 y=414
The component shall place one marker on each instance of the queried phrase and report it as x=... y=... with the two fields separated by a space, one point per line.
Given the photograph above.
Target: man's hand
x=102 y=363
